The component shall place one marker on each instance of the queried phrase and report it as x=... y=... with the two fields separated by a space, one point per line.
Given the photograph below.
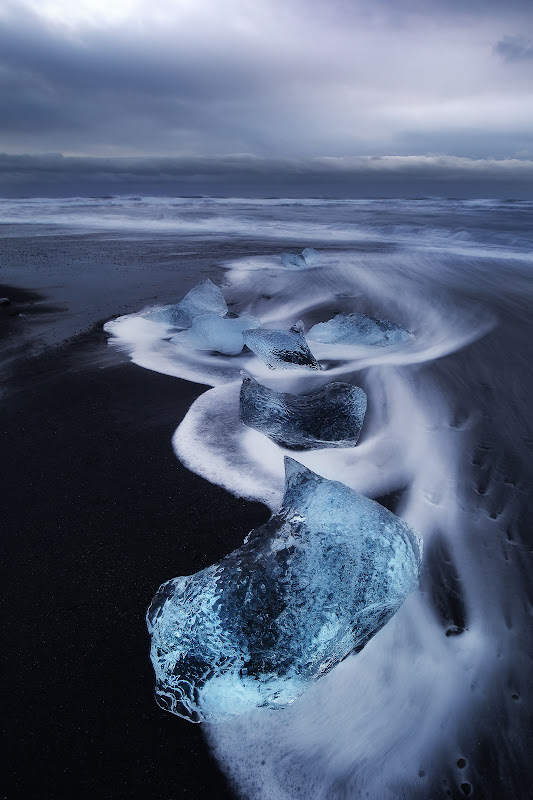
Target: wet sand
x=97 y=512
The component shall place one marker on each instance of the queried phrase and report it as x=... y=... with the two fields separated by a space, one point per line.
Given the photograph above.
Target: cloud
x=250 y=176
x=515 y=48
x=270 y=78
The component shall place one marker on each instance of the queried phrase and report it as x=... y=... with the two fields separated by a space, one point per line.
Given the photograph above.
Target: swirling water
x=438 y=704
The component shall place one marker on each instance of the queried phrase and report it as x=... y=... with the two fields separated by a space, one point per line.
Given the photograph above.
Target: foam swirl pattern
x=436 y=704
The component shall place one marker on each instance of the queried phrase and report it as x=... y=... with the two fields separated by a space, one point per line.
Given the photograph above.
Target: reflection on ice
x=317 y=581
x=206 y=298
x=308 y=258
x=359 y=329
x=331 y=417
x=281 y=349
x=221 y=334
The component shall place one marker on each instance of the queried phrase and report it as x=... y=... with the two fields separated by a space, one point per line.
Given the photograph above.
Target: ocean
x=438 y=703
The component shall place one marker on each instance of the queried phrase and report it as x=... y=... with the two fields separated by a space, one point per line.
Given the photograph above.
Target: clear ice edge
x=281 y=349
x=204 y=298
x=308 y=258
x=330 y=417
x=359 y=329
x=216 y=333
x=306 y=589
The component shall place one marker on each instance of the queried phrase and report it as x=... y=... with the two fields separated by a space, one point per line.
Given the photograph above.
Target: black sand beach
x=334 y=199
x=96 y=511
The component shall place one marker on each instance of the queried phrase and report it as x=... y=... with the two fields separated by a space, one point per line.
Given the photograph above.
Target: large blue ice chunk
x=314 y=583
x=330 y=417
x=211 y=332
x=281 y=349
x=205 y=298
x=308 y=258
x=359 y=329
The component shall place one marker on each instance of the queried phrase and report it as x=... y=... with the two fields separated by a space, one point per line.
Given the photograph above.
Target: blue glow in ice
x=308 y=258
x=359 y=329
x=331 y=417
x=205 y=298
x=312 y=258
x=222 y=334
x=317 y=581
x=281 y=349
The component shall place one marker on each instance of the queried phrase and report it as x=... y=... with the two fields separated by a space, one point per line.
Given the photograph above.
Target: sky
x=317 y=90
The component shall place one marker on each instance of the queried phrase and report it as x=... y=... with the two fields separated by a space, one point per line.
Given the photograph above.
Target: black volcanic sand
x=97 y=512
x=21 y=304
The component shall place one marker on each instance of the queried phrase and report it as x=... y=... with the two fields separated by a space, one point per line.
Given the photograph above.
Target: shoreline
x=98 y=513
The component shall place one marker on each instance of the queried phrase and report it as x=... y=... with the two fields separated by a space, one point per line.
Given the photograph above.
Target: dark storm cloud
x=248 y=176
x=515 y=48
x=105 y=61
x=278 y=79
x=106 y=88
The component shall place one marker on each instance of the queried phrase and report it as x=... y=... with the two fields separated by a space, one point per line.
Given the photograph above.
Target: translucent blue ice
x=312 y=258
x=211 y=332
x=308 y=258
x=281 y=349
x=331 y=417
x=205 y=298
x=314 y=583
x=359 y=329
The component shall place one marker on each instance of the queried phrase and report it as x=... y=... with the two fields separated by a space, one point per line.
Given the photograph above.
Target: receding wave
x=463 y=227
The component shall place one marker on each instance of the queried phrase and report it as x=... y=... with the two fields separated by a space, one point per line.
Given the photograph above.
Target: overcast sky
x=273 y=79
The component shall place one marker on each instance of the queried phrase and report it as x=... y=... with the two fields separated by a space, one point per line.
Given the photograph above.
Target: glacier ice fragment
x=281 y=349
x=317 y=581
x=359 y=329
x=312 y=258
x=331 y=417
x=308 y=258
x=211 y=332
x=205 y=298
x=293 y=261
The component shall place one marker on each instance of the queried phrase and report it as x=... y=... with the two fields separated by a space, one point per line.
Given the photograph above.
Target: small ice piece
x=308 y=258
x=281 y=349
x=223 y=334
x=205 y=298
x=312 y=258
x=359 y=329
x=293 y=261
x=331 y=417
x=314 y=583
